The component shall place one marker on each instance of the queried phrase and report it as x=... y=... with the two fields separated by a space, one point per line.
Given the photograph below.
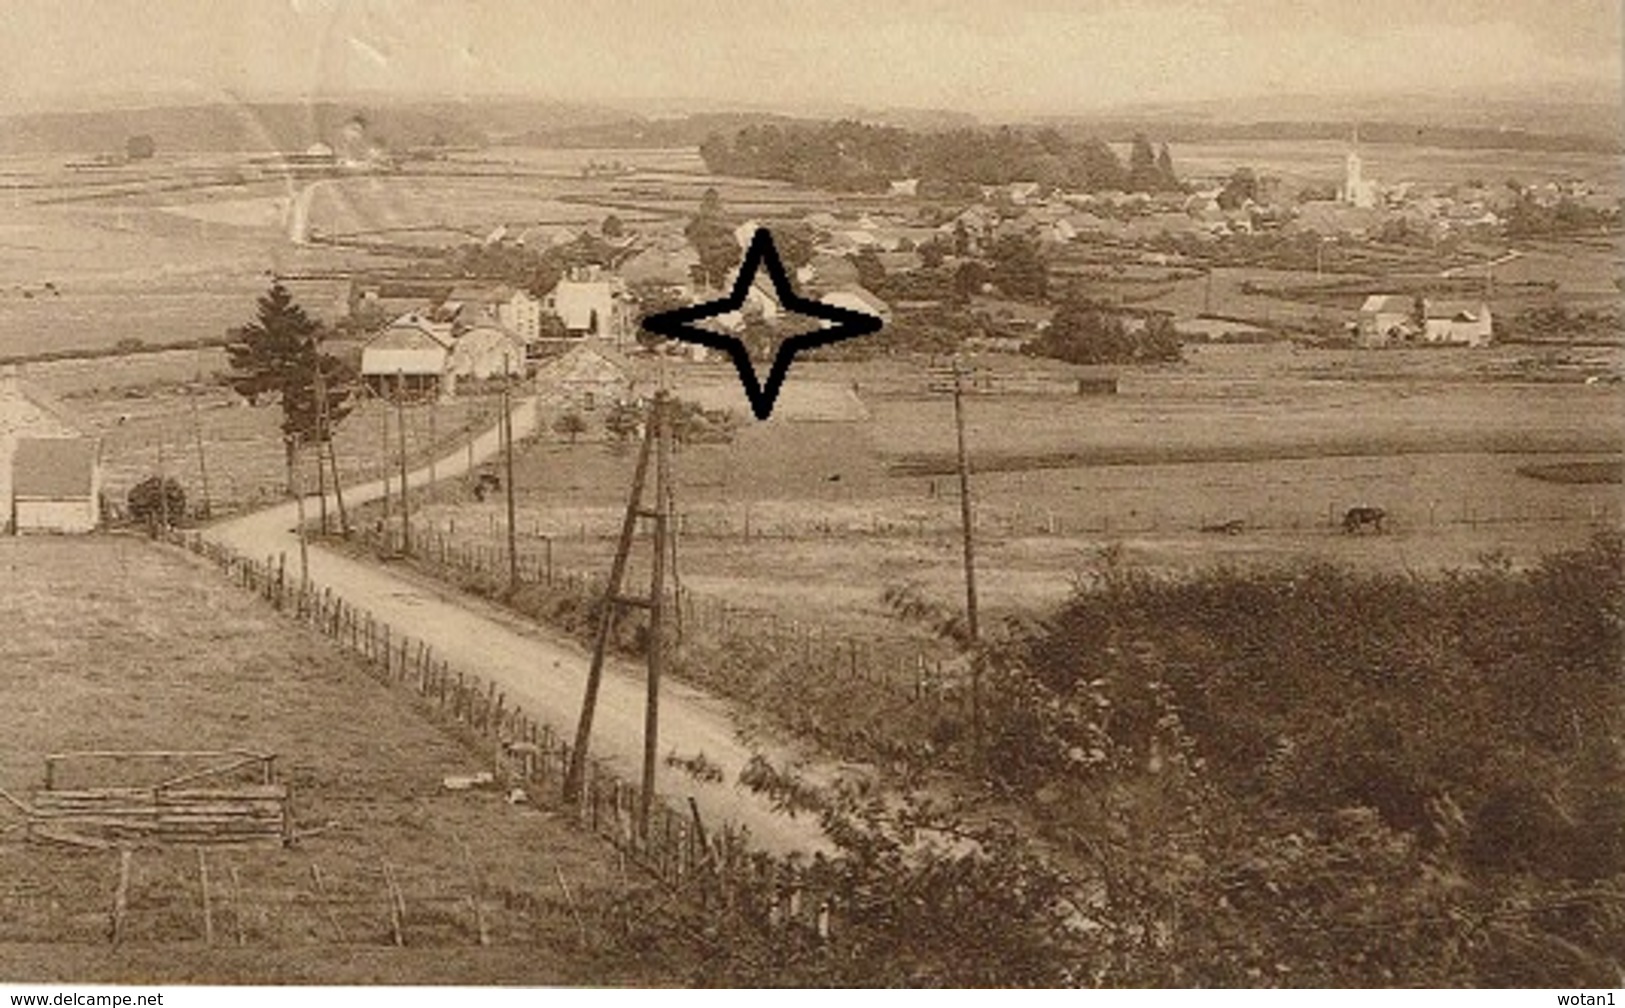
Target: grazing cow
x=1358 y=519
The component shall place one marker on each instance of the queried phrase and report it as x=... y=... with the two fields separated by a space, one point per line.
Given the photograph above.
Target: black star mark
x=678 y=324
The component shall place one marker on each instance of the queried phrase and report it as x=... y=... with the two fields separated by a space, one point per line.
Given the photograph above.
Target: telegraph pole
x=400 y=424
x=657 y=607
x=383 y=443
x=505 y=425
x=299 y=503
x=332 y=456
x=967 y=533
x=197 y=429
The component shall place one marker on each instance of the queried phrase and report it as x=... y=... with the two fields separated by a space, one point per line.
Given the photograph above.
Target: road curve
x=543 y=673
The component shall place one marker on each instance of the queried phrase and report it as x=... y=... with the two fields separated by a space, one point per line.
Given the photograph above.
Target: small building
x=412 y=356
x=586 y=377
x=485 y=352
x=56 y=484
x=29 y=415
x=513 y=309
x=1385 y=319
x=857 y=298
x=1468 y=323
x=586 y=306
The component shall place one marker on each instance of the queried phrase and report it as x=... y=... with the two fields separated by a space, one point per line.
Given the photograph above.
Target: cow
x=1358 y=519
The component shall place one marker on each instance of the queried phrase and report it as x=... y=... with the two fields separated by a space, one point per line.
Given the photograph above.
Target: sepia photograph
x=513 y=494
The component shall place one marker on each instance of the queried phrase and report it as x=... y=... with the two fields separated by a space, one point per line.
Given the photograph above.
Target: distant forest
x=858 y=157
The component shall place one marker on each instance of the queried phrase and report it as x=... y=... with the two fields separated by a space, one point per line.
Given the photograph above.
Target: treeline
x=856 y=157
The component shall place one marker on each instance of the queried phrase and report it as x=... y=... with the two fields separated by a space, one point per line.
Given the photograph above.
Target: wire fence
x=714 y=864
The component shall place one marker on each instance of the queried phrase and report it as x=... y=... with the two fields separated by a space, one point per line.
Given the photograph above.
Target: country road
x=543 y=673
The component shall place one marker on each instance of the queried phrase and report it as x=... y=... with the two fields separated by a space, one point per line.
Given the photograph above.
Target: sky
x=989 y=57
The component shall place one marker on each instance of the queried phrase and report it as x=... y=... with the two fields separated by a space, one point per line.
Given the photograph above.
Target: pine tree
x=1142 y=166
x=278 y=354
x=1165 y=169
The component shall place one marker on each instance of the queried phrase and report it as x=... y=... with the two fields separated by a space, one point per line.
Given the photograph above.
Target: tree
x=1142 y=166
x=612 y=227
x=278 y=355
x=713 y=240
x=1018 y=268
x=1238 y=189
x=1165 y=169
x=140 y=147
x=571 y=425
x=154 y=499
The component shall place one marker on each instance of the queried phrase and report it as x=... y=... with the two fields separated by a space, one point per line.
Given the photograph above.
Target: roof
x=1463 y=311
x=587 y=365
x=1397 y=304
x=26 y=409
x=412 y=332
x=62 y=468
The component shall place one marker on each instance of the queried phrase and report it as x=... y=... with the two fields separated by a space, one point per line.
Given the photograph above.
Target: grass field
x=814 y=520
x=153 y=652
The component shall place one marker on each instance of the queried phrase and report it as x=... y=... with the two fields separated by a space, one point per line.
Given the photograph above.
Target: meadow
x=157 y=653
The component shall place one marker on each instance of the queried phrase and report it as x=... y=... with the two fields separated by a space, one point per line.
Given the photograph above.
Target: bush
x=154 y=499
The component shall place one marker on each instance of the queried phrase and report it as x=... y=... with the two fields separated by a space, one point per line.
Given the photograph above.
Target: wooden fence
x=713 y=863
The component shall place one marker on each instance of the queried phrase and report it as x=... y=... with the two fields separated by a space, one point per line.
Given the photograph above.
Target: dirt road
x=543 y=673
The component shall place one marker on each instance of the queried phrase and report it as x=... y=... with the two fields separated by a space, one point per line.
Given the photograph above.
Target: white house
x=412 y=355
x=50 y=476
x=1384 y=319
x=56 y=484
x=1466 y=322
x=586 y=305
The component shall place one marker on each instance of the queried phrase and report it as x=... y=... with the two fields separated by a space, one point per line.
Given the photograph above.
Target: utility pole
x=657 y=607
x=326 y=434
x=163 y=486
x=321 y=441
x=967 y=532
x=299 y=504
x=505 y=425
x=383 y=444
x=613 y=600
x=197 y=429
x=400 y=424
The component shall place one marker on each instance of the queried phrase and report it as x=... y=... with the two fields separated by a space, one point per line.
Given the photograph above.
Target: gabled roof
x=27 y=409
x=1459 y=311
x=1388 y=304
x=58 y=468
x=412 y=331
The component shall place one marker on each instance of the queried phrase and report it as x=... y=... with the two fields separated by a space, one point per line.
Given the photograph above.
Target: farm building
x=512 y=309
x=1465 y=322
x=487 y=351
x=861 y=299
x=587 y=377
x=588 y=306
x=1392 y=318
x=56 y=484
x=50 y=476
x=1385 y=318
x=413 y=355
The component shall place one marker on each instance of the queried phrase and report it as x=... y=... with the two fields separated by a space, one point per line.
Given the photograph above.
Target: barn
x=50 y=476
x=56 y=484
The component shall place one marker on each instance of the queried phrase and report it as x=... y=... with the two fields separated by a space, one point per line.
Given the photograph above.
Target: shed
x=26 y=412
x=56 y=484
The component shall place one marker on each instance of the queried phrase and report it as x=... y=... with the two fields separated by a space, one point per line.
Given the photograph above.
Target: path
x=541 y=672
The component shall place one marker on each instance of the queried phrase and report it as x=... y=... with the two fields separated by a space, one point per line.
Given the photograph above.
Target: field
x=813 y=520
x=152 y=654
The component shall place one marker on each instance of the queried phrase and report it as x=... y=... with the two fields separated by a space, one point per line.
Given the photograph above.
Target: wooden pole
x=299 y=504
x=383 y=446
x=575 y=776
x=400 y=424
x=657 y=609
x=506 y=426
x=197 y=432
x=967 y=533
x=434 y=447
x=163 y=485
x=208 y=908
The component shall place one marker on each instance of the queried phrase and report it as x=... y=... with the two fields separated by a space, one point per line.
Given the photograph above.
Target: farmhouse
x=587 y=377
x=50 y=476
x=1393 y=318
x=412 y=355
